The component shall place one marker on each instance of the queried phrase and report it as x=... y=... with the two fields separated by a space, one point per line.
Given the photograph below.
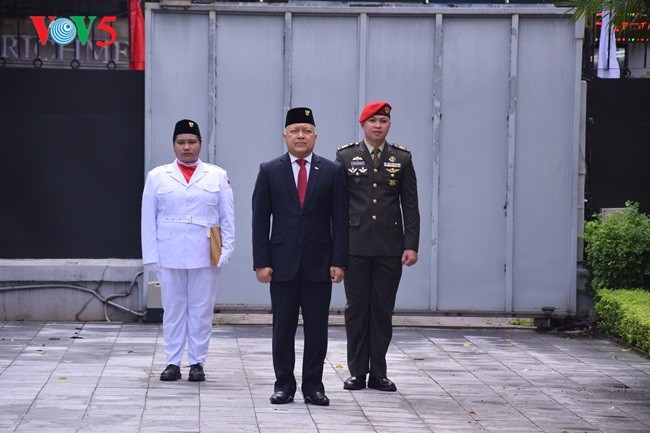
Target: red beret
x=378 y=107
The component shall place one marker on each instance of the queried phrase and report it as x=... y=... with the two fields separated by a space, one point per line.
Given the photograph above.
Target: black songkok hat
x=187 y=126
x=299 y=115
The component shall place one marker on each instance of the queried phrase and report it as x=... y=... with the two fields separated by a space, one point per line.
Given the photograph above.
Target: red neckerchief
x=187 y=171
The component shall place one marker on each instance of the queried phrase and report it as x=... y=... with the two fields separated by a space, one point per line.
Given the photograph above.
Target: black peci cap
x=186 y=126
x=299 y=115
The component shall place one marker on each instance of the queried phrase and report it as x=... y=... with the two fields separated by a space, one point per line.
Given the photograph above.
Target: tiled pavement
x=103 y=377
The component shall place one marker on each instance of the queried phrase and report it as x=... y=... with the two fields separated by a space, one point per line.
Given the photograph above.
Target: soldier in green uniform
x=384 y=236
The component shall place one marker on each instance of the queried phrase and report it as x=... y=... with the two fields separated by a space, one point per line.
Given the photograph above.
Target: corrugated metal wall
x=486 y=97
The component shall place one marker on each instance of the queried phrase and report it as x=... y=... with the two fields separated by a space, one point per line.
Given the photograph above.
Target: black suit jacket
x=286 y=235
x=384 y=212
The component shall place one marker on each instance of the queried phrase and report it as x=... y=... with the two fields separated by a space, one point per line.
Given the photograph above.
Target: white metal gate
x=486 y=97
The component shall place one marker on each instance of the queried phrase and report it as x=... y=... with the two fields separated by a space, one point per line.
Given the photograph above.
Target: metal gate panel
x=180 y=80
x=473 y=164
x=545 y=168
x=400 y=68
x=325 y=76
x=250 y=70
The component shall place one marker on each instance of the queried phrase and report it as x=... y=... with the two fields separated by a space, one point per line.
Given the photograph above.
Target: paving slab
x=453 y=375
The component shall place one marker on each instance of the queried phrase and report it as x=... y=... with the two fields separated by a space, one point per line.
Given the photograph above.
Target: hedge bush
x=617 y=249
x=625 y=313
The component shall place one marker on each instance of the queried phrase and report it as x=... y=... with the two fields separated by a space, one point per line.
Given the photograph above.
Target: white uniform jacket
x=177 y=216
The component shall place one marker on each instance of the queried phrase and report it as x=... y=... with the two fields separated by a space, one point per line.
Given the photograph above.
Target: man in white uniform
x=180 y=203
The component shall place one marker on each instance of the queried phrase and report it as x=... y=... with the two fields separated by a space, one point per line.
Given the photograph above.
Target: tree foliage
x=621 y=10
x=618 y=249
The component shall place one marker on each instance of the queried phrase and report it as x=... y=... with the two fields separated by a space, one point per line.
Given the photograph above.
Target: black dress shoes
x=171 y=373
x=354 y=383
x=381 y=384
x=318 y=398
x=281 y=397
x=196 y=373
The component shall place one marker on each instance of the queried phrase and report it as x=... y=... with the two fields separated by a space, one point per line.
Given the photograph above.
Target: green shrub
x=618 y=249
x=625 y=314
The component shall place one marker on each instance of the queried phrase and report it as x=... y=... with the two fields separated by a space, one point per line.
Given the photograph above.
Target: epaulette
x=400 y=147
x=345 y=146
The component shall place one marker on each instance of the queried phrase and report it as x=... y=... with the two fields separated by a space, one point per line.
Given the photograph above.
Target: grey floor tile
x=103 y=377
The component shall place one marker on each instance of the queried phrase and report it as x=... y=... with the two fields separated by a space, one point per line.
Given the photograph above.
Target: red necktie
x=302 y=180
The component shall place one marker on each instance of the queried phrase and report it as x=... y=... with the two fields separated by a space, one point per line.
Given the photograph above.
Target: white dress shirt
x=296 y=167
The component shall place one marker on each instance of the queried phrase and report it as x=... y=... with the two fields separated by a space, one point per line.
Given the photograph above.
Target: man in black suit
x=384 y=236
x=300 y=246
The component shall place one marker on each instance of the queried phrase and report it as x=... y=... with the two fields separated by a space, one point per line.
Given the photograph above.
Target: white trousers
x=188 y=297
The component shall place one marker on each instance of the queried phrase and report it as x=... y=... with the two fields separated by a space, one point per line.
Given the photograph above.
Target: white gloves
x=223 y=262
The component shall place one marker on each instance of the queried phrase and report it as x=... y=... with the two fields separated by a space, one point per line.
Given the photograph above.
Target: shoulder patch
x=400 y=147
x=345 y=146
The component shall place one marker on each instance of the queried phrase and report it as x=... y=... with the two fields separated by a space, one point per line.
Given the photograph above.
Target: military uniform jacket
x=177 y=216
x=383 y=201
